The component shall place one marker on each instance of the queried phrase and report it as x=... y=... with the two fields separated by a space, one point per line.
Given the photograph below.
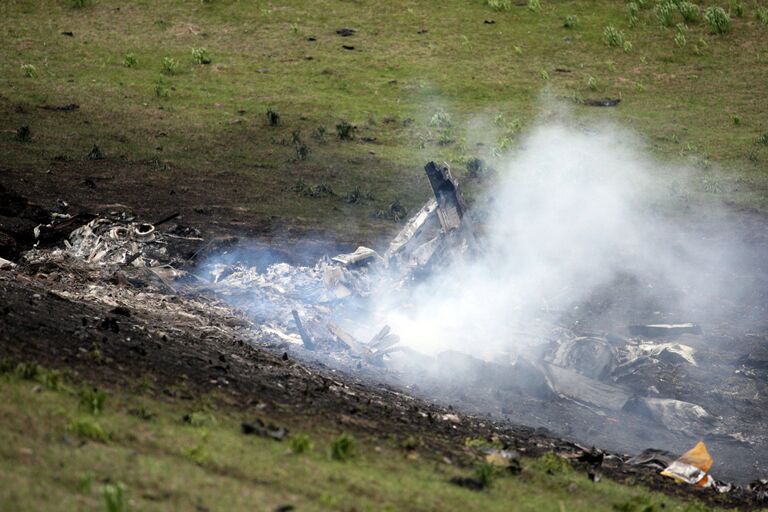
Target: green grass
x=52 y=458
x=681 y=98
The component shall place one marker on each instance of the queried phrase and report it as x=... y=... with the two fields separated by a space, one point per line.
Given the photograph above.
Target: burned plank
x=309 y=344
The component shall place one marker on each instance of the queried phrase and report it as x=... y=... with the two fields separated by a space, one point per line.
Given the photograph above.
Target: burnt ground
x=192 y=345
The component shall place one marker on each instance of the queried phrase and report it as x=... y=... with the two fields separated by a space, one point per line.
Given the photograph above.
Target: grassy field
x=424 y=80
x=67 y=446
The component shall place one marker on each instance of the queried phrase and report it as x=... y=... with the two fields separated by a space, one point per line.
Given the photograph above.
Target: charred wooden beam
x=305 y=337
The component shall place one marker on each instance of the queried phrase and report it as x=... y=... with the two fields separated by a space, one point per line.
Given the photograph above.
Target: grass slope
x=66 y=446
x=703 y=102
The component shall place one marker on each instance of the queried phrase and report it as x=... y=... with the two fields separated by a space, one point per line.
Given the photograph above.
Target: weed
x=571 y=21
x=302 y=150
x=613 y=37
x=51 y=379
x=198 y=454
x=170 y=66
x=85 y=482
x=142 y=413
x=633 y=11
x=680 y=39
x=689 y=11
x=665 y=13
x=737 y=8
x=357 y=196
x=445 y=138
x=273 y=117
x=300 y=443
x=592 y=83
x=700 y=46
x=29 y=70
x=161 y=88
x=736 y=120
x=199 y=419
x=28 y=371
x=114 y=497
x=518 y=50
x=499 y=5
x=343 y=447
x=345 y=130
x=475 y=167
x=440 y=119
x=718 y=20
x=534 y=5
x=200 y=56
x=762 y=15
x=639 y=87
x=763 y=139
x=320 y=135
x=554 y=464
x=96 y=154
x=544 y=74
x=78 y=4
x=23 y=133
x=294 y=28
x=484 y=473
x=627 y=47
x=130 y=60
x=88 y=428
x=92 y=399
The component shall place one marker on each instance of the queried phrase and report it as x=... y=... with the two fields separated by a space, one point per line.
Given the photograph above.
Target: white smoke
x=571 y=211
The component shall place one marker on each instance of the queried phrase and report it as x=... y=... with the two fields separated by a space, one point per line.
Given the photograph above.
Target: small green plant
x=571 y=21
x=170 y=66
x=130 y=60
x=114 y=497
x=78 y=4
x=762 y=15
x=665 y=13
x=499 y=5
x=29 y=70
x=544 y=74
x=736 y=120
x=518 y=50
x=200 y=56
x=87 y=428
x=445 y=138
x=627 y=47
x=763 y=139
x=554 y=464
x=633 y=12
x=343 y=447
x=718 y=20
x=294 y=28
x=700 y=46
x=300 y=443
x=592 y=83
x=23 y=133
x=534 y=5
x=484 y=473
x=161 y=88
x=345 y=130
x=737 y=8
x=302 y=150
x=85 y=482
x=613 y=37
x=92 y=399
x=28 y=371
x=273 y=117
x=440 y=119
x=199 y=419
x=680 y=40
x=689 y=11
x=320 y=134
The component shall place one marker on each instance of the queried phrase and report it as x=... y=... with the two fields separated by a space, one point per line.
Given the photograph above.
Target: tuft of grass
x=665 y=13
x=553 y=464
x=87 y=428
x=200 y=56
x=718 y=20
x=762 y=15
x=345 y=130
x=29 y=70
x=130 y=60
x=613 y=36
x=737 y=8
x=689 y=11
x=763 y=139
x=484 y=473
x=92 y=399
x=162 y=90
x=114 y=497
x=534 y=5
x=199 y=419
x=592 y=83
x=499 y=5
x=78 y=4
x=633 y=13
x=680 y=40
x=273 y=117
x=440 y=119
x=571 y=21
x=169 y=66
x=343 y=447
x=627 y=46
x=300 y=443
x=736 y=120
